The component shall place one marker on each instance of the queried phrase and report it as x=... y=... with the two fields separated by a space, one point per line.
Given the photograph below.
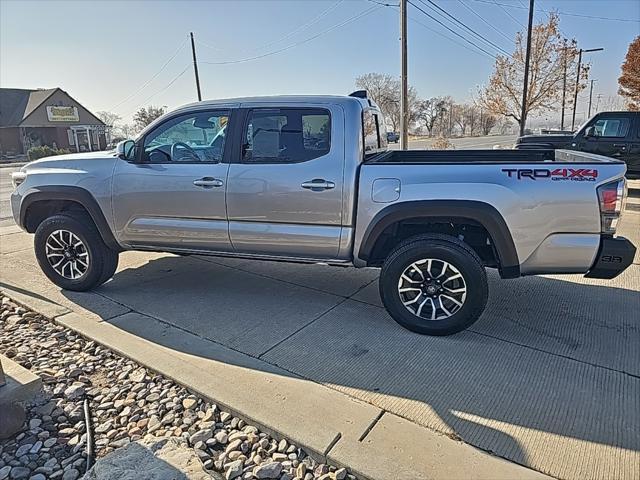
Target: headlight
x=17 y=178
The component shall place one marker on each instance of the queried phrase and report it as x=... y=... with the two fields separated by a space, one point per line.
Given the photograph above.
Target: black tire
x=448 y=249
x=110 y=265
x=102 y=261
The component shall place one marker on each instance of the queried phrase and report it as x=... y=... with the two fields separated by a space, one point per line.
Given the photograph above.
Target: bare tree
x=549 y=51
x=487 y=122
x=123 y=131
x=505 y=126
x=429 y=111
x=109 y=118
x=144 y=116
x=384 y=89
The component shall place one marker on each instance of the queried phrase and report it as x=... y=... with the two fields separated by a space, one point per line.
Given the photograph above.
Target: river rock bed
x=127 y=403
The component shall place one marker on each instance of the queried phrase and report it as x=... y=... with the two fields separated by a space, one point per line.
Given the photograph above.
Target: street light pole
x=564 y=83
x=575 y=93
x=523 y=113
x=404 y=94
x=590 y=97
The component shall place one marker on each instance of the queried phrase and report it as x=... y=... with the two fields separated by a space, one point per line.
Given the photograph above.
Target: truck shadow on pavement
x=548 y=377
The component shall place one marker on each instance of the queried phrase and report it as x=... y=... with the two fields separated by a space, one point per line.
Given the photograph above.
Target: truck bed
x=394 y=157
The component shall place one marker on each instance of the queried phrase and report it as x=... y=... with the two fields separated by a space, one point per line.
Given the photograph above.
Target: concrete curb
x=9 y=164
x=21 y=385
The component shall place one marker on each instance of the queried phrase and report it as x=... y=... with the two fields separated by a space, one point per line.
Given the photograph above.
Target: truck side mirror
x=590 y=132
x=125 y=150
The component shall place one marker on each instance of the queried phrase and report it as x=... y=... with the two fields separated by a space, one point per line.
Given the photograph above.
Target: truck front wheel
x=72 y=254
x=434 y=285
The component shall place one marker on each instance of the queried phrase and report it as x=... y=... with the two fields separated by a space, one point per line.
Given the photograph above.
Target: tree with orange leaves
x=629 y=81
x=553 y=59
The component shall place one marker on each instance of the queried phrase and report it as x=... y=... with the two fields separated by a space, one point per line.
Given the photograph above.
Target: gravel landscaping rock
x=133 y=409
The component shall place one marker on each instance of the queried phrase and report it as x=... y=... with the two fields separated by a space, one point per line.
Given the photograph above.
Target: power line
x=478 y=52
x=451 y=30
x=424 y=25
x=485 y=21
x=164 y=65
x=384 y=4
x=493 y=2
x=293 y=45
x=570 y=14
x=302 y=27
x=162 y=89
x=481 y=37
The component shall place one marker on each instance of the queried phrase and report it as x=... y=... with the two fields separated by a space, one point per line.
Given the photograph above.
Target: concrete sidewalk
x=329 y=424
x=549 y=377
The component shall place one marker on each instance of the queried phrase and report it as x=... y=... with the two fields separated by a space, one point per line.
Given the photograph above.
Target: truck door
x=284 y=191
x=173 y=196
x=609 y=135
x=633 y=159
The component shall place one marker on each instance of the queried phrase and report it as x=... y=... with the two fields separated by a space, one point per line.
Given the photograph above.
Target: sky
x=118 y=56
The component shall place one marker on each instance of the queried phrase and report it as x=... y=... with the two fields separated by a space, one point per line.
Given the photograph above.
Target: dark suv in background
x=612 y=134
x=393 y=137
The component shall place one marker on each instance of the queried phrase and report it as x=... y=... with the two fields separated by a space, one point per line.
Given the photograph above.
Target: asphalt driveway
x=549 y=377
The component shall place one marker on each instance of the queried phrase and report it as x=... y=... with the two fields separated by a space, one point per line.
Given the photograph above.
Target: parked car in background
x=612 y=134
x=310 y=179
x=393 y=137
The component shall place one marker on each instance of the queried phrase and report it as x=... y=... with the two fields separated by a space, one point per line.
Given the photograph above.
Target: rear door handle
x=208 y=182
x=621 y=146
x=318 y=184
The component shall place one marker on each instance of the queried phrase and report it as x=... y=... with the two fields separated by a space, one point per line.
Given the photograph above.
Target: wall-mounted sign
x=62 y=114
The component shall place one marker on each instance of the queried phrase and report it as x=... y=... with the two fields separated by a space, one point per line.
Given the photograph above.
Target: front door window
x=190 y=138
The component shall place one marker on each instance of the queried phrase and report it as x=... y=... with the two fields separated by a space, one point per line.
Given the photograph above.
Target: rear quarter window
x=374 y=132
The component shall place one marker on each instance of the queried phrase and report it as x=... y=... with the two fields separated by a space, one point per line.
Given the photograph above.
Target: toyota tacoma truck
x=612 y=134
x=310 y=179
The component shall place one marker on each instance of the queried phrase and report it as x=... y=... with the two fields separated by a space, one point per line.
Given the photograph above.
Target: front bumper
x=614 y=256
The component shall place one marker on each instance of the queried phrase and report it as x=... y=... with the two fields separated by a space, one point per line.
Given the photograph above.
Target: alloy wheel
x=432 y=289
x=67 y=254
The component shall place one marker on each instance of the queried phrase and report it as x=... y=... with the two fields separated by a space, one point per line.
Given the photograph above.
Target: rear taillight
x=612 y=197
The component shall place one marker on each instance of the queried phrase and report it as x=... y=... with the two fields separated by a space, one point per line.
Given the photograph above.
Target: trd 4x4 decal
x=573 y=174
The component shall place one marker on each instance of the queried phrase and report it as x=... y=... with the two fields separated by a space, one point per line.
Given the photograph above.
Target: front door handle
x=318 y=184
x=208 y=182
x=622 y=147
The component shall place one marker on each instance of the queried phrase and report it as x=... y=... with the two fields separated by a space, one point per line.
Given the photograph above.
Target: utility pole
x=195 y=67
x=598 y=97
x=564 y=82
x=404 y=94
x=575 y=93
x=523 y=114
x=590 y=97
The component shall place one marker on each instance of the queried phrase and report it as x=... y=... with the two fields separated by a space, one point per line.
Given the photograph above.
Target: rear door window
x=612 y=127
x=288 y=135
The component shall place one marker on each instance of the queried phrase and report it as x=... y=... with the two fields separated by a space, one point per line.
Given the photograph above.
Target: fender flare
x=480 y=212
x=73 y=194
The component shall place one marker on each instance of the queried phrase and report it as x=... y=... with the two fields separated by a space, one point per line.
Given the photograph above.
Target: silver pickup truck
x=310 y=179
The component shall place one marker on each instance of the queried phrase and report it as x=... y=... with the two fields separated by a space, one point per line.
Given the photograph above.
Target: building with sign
x=31 y=118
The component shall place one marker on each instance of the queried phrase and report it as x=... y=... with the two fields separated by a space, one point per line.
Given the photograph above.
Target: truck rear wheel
x=434 y=285
x=72 y=254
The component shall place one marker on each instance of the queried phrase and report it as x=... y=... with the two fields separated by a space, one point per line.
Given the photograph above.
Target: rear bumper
x=614 y=256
